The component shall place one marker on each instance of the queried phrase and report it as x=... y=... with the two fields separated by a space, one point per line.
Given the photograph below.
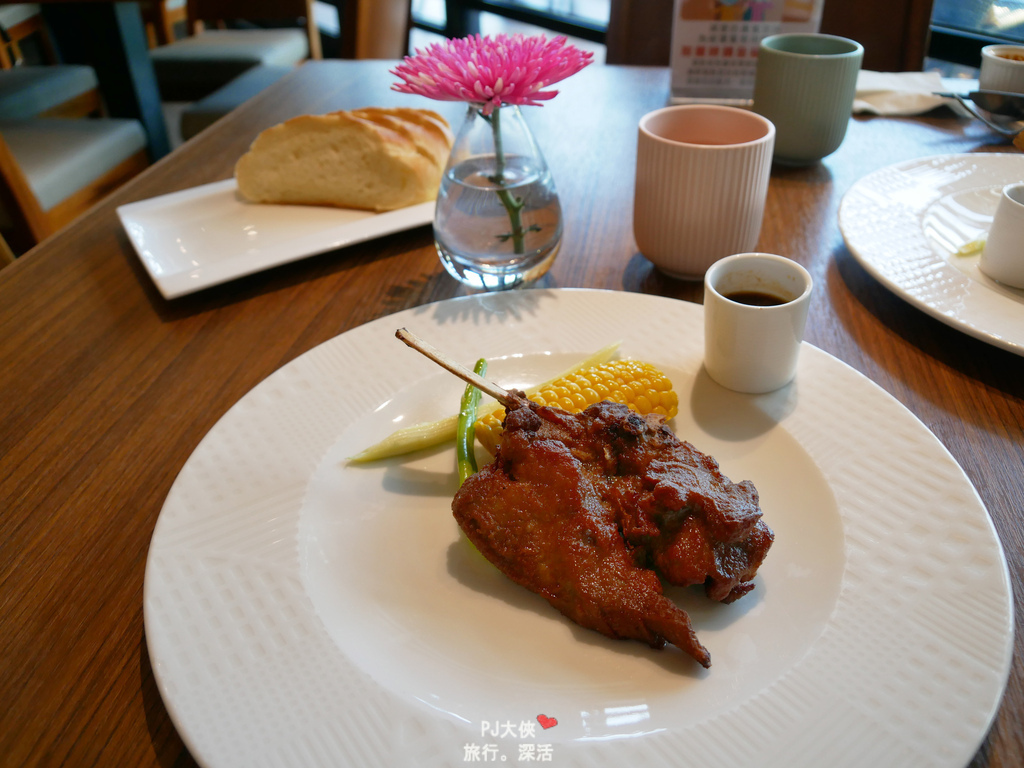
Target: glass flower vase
x=498 y=223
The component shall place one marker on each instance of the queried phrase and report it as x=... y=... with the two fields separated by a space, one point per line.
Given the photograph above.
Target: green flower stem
x=514 y=205
x=499 y=152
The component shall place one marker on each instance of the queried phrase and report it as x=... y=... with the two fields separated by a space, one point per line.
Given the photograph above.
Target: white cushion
x=191 y=68
x=15 y=14
x=208 y=110
x=28 y=91
x=61 y=156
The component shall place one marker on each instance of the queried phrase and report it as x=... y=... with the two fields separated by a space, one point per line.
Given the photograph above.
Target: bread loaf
x=374 y=159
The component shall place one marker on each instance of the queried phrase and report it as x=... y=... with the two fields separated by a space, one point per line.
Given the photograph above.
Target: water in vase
x=497 y=235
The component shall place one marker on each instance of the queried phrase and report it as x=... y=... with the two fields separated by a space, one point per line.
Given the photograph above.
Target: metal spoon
x=1009 y=105
x=996 y=102
x=1000 y=103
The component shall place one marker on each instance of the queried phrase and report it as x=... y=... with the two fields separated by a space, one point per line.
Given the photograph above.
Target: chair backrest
x=201 y=12
x=160 y=18
x=20 y=22
x=639 y=32
x=381 y=28
x=894 y=33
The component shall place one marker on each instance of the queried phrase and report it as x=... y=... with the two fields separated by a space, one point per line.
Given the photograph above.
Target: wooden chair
x=639 y=32
x=53 y=170
x=22 y=22
x=372 y=29
x=381 y=29
x=6 y=254
x=162 y=18
x=211 y=56
x=47 y=89
x=894 y=33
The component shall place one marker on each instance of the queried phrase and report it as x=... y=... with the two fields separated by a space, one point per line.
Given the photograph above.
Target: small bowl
x=1002 y=68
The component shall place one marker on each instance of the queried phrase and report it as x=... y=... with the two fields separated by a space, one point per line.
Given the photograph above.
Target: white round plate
x=302 y=611
x=905 y=224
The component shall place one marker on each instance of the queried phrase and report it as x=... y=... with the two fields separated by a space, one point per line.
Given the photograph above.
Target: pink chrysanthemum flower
x=506 y=69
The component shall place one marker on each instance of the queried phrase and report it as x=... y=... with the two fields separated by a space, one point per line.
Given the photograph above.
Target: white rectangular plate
x=199 y=237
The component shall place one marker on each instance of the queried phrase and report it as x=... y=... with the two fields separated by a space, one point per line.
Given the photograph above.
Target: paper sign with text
x=714 y=44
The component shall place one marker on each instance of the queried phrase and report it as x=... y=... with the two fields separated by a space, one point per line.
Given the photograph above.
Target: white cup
x=751 y=347
x=1002 y=68
x=1003 y=256
x=701 y=181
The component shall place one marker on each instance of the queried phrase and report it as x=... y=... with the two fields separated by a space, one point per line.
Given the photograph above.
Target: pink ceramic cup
x=701 y=181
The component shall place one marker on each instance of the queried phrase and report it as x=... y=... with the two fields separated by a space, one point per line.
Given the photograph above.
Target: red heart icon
x=546 y=722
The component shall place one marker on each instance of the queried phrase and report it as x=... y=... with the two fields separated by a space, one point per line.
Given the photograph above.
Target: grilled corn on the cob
x=639 y=385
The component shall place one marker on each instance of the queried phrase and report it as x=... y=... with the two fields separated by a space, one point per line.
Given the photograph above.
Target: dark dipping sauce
x=756 y=298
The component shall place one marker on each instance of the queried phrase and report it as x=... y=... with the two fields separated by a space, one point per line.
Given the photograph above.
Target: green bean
x=465 y=449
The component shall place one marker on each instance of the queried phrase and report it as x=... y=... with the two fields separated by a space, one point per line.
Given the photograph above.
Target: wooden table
x=106 y=388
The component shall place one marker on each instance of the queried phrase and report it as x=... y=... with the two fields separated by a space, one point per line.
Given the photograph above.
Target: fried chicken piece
x=537 y=515
x=589 y=509
x=676 y=509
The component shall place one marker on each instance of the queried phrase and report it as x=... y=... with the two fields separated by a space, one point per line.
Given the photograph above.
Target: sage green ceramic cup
x=805 y=84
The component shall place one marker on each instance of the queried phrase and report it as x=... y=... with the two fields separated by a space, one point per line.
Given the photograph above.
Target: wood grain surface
x=106 y=388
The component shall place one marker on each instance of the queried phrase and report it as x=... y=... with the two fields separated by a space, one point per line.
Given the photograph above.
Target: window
x=960 y=28
x=584 y=22
x=998 y=18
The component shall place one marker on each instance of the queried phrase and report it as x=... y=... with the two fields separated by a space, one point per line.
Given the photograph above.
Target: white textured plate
x=905 y=223
x=301 y=611
x=207 y=235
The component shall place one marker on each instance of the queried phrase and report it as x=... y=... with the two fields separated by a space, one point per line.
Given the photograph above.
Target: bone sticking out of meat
x=468 y=376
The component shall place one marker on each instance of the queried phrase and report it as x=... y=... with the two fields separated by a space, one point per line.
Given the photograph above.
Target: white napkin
x=898 y=93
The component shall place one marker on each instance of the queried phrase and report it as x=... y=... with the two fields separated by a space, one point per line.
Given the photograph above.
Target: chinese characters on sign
x=714 y=43
x=494 y=746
